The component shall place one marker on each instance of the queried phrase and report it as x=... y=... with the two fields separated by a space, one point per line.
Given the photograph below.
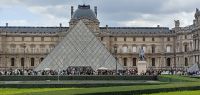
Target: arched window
x=22 y=61
x=125 y=49
x=12 y=61
x=32 y=62
x=125 y=61
x=186 y=61
x=134 y=61
x=168 y=62
x=185 y=48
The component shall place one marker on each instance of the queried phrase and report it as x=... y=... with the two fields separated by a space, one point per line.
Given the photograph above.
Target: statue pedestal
x=141 y=67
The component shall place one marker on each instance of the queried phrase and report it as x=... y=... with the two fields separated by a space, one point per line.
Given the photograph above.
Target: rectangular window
x=42 y=48
x=168 y=38
x=12 y=61
x=185 y=36
x=168 y=48
x=125 y=61
x=186 y=62
x=125 y=49
x=153 y=61
x=115 y=39
x=22 y=38
x=143 y=38
x=101 y=38
x=32 y=61
x=153 y=39
x=134 y=39
x=153 y=48
x=12 y=50
x=22 y=61
x=32 y=39
x=52 y=39
x=134 y=49
x=12 y=38
x=125 y=39
x=42 y=38
x=134 y=61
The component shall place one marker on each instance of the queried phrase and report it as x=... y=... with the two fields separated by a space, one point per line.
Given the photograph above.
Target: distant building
x=164 y=48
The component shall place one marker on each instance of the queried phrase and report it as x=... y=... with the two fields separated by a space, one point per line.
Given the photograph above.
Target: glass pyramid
x=80 y=47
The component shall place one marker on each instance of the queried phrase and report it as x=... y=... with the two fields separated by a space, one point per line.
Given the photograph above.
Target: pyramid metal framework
x=80 y=47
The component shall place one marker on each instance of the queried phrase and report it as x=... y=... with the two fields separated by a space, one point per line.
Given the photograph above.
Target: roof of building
x=33 y=29
x=112 y=30
x=136 y=30
x=84 y=11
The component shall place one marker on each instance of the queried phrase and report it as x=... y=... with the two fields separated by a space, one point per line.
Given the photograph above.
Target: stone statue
x=197 y=14
x=141 y=54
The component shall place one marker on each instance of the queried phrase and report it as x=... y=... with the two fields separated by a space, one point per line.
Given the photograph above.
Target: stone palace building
x=26 y=47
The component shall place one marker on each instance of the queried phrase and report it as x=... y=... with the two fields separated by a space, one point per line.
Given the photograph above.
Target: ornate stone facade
x=26 y=47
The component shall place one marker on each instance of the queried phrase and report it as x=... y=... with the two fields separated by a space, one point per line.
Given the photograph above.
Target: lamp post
x=58 y=74
x=115 y=53
x=24 y=46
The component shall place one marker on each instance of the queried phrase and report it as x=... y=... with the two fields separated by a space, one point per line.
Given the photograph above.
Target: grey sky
x=130 y=13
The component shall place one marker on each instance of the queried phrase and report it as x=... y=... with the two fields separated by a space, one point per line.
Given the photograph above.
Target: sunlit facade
x=27 y=47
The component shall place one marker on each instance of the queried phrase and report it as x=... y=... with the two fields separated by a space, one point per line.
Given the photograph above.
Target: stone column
x=27 y=62
x=129 y=62
x=198 y=44
x=120 y=60
x=17 y=62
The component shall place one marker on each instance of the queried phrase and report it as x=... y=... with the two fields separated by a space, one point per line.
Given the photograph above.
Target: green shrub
x=38 y=78
x=176 y=78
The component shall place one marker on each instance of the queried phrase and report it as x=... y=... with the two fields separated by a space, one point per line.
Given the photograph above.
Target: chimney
x=60 y=24
x=95 y=10
x=177 y=23
x=107 y=27
x=6 y=24
x=72 y=11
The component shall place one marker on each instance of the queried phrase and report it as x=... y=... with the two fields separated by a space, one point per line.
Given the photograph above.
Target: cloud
x=18 y=22
x=113 y=12
x=174 y=6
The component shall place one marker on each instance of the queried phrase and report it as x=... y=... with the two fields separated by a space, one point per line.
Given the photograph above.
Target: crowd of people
x=89 y=71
